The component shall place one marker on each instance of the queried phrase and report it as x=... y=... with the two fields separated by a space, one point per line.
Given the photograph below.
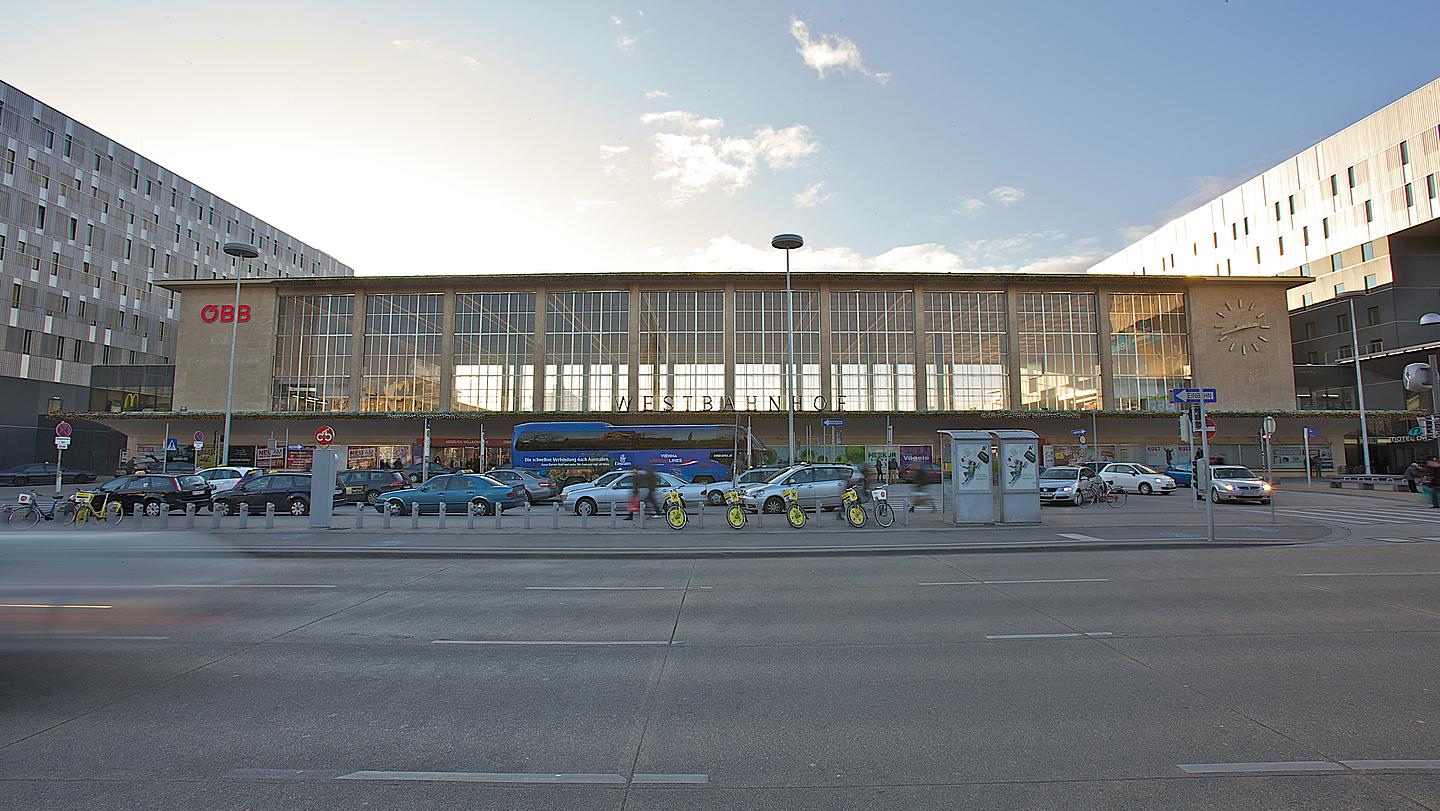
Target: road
x=1284 y=677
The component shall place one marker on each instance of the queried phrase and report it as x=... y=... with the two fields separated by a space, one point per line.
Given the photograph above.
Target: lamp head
x=1430 y=319
x=786 y=242
x=242 y=250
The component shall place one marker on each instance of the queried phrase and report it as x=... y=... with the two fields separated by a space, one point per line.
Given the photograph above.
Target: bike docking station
x=990 y=477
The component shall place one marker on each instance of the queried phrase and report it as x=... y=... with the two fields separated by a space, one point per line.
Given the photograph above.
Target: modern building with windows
x=895 y=357
x=1357 y=214
x=90 y=230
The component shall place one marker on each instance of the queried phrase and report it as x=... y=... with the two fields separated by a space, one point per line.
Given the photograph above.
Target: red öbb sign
x=224 y=313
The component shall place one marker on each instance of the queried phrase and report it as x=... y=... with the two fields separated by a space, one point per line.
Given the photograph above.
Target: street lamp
x=241 y=251
x=787 y=243
x=1433 y=320
x=1350 y=296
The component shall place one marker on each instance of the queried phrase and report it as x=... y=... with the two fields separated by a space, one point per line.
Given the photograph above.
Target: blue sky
x=501 y=137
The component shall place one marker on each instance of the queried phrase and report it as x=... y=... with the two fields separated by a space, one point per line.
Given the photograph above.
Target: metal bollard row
x=244 y=515
x=440 y=517
x=190 y=516
x=269 y=516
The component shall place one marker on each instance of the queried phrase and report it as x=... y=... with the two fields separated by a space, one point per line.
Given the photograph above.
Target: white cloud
x=656 y=94
x=812 y=196
x=584 y=205
x=611 y=158
x=727 y=254
x=692 y=158
x=437 y=53
x=624 y=41
x=1077 y=263
x=970 y=206
x=832 y=52
x=1007 y=195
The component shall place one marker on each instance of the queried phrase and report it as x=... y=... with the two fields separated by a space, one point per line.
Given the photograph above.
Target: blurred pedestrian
x=894 y=469
x=652 y=489
x=1432 y=480
x=1413 y=474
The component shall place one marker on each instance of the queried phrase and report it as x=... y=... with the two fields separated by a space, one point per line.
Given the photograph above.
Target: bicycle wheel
x=675 y=517
x=113 y=512
x=1117 y=498
x=884 y=516
x=64 y=512
x=796 y=516
x=23 y=517
x=83 y=514
x=855 y=515
x=735 y=516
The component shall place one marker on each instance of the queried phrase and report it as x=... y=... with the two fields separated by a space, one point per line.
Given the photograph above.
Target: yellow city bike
x=734 y=514
x=794 y=513
x=107 y=510
x=675 y=510
x=856 y=513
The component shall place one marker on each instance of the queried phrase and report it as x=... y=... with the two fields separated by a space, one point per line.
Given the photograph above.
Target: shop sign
x=298 y=460
x=360 y=457
x=708 y=402
x=910 y=454
x=225 y=313
x=268 y=457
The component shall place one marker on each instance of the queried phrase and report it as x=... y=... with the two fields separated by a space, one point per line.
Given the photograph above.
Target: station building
x=1086 y=361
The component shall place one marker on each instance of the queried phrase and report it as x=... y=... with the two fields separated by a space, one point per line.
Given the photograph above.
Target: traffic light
x=1419 y=377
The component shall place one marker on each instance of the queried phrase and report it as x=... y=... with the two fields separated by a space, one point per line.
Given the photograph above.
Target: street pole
x=425 y=454
x=1205 y=459
x=240 y=251
x=1359 y=388
x=790 y=340
x=1308 y=482
x=1270 y=476
x=165 y=450
x=59 y=471
x=1434 y=395
x=1095 y=436
x=484 y=455
x=1187 y=435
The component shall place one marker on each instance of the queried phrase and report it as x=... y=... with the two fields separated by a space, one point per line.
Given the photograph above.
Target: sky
x=482 y=137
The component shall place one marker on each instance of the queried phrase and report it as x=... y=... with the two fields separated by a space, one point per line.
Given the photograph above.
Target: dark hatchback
x=369 y=486
x=25 y=475
x=289 y=492
x=155 y=493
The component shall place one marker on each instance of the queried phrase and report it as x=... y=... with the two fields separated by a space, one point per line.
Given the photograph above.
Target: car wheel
x=153 y=507
x=715 y=498
x=529 y=499
x=1215 y=496
x=414 y=478
x=586 y=506
x=1145 y=489
x=298 y=506
x=222 y=507
x=395 y=507
x=774 y=505
x=21 y=481
x=372 y=496
x=479 y=506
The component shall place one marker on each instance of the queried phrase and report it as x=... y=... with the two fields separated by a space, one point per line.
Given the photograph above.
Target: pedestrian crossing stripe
x=1363 y=516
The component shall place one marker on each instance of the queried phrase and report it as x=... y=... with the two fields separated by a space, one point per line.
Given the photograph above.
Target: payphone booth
x=1019 y=475
x=968 y=484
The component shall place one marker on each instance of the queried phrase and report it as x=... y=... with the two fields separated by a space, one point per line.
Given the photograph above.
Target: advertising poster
x=1019 y=467
x=360 y=457
x=912 y=454
x=972 y=470
x=267 y=458
x=297 y=460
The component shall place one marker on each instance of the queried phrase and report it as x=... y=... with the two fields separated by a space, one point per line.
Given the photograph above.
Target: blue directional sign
x=172 y=445
x=1206 y=396
x=832 y=422
x=1078 y=432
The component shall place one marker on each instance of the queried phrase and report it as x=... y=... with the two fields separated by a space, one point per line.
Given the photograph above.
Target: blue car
x=1181 y=472
x=460 y=492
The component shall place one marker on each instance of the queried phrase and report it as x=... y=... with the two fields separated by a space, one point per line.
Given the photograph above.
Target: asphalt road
x=1281 y=677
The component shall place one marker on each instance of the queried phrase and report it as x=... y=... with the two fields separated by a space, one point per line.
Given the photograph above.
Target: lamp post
x=1350 y=296
x=241 y=251
x=787 y=243
x=1433 y=320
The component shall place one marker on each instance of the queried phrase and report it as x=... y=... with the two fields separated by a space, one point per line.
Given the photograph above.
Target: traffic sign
x=199 y=444
x=325 y=435
x=1078 y=432
x=1082 y=439
x=199 y=436
x=1193 y=396
x=62 y=428
x=1269 y=427
x=832 y=422
x=294 y=447
x=1209 y=427
x=172 y=445
x=1416 y=431
x=1311 y=433
x=62 y=442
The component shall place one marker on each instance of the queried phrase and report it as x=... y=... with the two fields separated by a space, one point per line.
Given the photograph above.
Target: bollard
x=555 y=522
x=190 y=515
x=760 y=515
x=614 y=517
x=584 y=520
x=165 y=517
x=527 y=515
x=440 y=517
x=414 y=515
x=499 y=511
x=641 y=517
x=244 y=515
x=138 y=516
x=269 y=515
x=360 y=515
x=905 y=512
x=385 y=516
x=214 y=519
x=702 y=511
x=469 y=516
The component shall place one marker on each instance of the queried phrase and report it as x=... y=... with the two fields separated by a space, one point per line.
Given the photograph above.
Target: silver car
x=616 y=494
x=1236 y=483
x=537 y=490
x=814 y=485
x=715 y=493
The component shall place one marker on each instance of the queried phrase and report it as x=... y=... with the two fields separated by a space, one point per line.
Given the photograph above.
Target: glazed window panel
x=494 y=338
x=1149 y=337
x=966 y=364
x=872 y=346
x=402 y=352
x=682 y=349
x=761 y=349
x=312 y=353
x=1059 y=351
x=587 y=364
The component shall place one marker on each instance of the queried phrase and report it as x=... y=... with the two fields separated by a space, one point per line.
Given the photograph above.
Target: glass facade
x=132 y=388
x=313 y=337
x=761 y=349
x=402 y=351
x=1059 y=351
x=1149 y=344
x=494 y=340
x=965 y=368
x=682 y=349
x=872 y=350
x=587 y=362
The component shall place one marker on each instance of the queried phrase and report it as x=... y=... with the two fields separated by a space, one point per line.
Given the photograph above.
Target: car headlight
x=1228 y=486
x=1267 y=487
x=1067 y=488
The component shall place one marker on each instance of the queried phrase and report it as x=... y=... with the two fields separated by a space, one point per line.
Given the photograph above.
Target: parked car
x=603 y=480
x=414 y=473
x=815 y=485
x=537 y=490
x=369 y=486
x=616 y=494
x=154 y=464
x=289 y=492
x=224 y=478
x=1136 y=478
x=477 y=493
x=925 y=473
x=25 y=475
x=1182 y=472
x=155 y=493
x=1236 y=483
x=715 y=494
x=1064 y=483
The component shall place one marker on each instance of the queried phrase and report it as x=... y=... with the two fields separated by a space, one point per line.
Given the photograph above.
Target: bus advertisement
x=573 y=452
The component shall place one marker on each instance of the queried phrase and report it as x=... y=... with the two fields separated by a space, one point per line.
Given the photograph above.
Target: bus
x=574 y=452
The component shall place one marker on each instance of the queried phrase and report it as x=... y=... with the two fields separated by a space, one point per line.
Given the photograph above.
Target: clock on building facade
x=1241 y=327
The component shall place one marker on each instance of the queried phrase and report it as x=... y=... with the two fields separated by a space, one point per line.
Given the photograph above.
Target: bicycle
x=857 y=513
x=794 y=513
x=1110 y=495
x=107 y=511
x=734 y=514
x=675 y=510
x=27 y=514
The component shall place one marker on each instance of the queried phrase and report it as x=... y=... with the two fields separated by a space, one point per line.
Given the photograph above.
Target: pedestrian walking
x=652 y=490
x=1413 y=475
x=1432 y=480
x=894 y=469
x=637 y=486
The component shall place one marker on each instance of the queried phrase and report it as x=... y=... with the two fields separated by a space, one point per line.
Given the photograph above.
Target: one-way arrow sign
x=1193 y=396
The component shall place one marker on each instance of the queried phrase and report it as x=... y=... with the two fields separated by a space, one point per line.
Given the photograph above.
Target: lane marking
x=1393 y=765
x=1010 y=582
x=681 y=779
x=489 y=777
x=51 y=605
x=1366 y=574
x=1078 y=537
x=1261 y=768
x=1004 y=637
x=600 y=588
x=617 y=642
x=107 y=587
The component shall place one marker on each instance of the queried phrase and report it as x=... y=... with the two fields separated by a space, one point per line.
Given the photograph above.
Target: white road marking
x=488 y=777
x=1365 y=574
x=687 y=779
x=108 y=587
x=1261 y=768
x=1003 y=637
x=1362 y=516
x=617 y=642
x=51 y=605
x=1078 y=537
x=599 y=588
x=1010 y=582
x=1393 y=765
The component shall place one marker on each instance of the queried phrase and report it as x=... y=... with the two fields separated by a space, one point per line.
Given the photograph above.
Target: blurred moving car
x=38 y=472
x=815 y=485
x=224 y=478
x=1136 y=478
x=1064 y=484
x=289 y=492
x=476 y=493
x=154 y=492
x=925 y=473
x=369 y=486
x=1237 y=483
x=537 y=490
x=1182 y=472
